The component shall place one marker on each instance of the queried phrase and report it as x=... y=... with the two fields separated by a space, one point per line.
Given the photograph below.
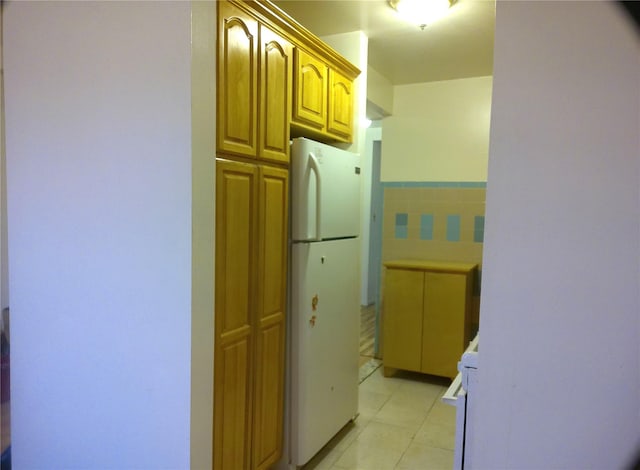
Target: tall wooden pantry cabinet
x=254 y=100
x=258 y=49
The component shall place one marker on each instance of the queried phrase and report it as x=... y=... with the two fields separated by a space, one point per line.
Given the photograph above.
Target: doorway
x=375 y=240
x=372 y=207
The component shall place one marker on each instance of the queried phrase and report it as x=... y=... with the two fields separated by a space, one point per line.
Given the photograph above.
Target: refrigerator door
x=325 y=324
x=325 y=191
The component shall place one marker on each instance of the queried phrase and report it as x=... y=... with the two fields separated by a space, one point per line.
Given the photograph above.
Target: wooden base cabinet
x=427 y=310
x=250 y=290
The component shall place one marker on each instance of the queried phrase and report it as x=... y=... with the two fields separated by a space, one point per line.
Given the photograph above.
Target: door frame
x=372 y=134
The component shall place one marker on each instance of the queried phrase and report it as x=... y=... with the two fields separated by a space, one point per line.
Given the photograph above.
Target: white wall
x=98 y=107
x=439 y=131
x=4 y=259
x=560 y=316
x=203 y=126
x=379 y=91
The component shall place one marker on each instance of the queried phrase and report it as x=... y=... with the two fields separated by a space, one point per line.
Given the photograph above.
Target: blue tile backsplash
x=426 y=227
x=453 y=228
x=402 y=225
x=478 y=229
x=435 y=220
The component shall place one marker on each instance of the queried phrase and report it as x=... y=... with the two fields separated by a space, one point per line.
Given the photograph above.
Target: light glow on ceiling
x=421 y=12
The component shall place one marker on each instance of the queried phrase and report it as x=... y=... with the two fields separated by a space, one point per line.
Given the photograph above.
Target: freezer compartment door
x=325 y=337
x=325 y=191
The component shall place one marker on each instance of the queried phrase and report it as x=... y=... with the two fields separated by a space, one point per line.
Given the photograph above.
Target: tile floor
x=402 y=425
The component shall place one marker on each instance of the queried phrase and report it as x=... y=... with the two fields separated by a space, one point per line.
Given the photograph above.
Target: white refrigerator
x=324 y=286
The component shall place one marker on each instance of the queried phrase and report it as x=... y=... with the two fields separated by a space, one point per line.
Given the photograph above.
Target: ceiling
x=459 y=45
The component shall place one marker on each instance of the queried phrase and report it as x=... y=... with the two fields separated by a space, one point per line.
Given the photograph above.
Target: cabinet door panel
x=403 y=298
x=310 y=98
x=275 y=91
x=268 y=417
x=235 y=284
x=232 y=362
x=340 y=120
x=237 y=81
x=444 y=323
x=271 y=320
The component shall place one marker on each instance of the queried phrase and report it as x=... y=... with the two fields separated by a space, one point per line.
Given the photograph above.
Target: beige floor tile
x=407 y=415
x=350 y=433
x=376 y=382
x=416 y=390
x=385 y=435
x=425 y=383
x=359 y=456
x=401 y=424
x=371 y=400
x=417 y=396
x=379 y=446
x=422 y=457
x=442 y=413
x=437 y=435
x=324 y=459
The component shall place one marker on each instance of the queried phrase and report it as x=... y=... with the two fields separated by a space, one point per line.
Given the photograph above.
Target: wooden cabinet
x=235 y=306
x=403 y=315
x=255 y=55
x=237 y=87
x=323 y=99
x=427 y=309
x=254 y=108
x=251 y=274
x=275 y=96
x=310 y=102
x=340 y=109
x=254 y=87
x=260 y=97
x=270 y=322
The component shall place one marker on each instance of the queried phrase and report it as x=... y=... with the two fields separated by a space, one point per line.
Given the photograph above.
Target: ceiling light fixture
x=421 y=12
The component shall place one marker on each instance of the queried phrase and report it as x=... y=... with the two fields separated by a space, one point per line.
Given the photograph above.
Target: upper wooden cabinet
x=254 y=86
x=340 y=117
x=277 y=78
x=310 y=101
x=237 y=88
x=322 y=100
x=275 y=96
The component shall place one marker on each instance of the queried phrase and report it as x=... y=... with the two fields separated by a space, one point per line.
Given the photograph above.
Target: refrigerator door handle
x=313 y=164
